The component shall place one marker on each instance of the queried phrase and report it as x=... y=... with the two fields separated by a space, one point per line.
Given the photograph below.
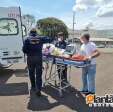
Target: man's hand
x=88 y=58
x=95 y=54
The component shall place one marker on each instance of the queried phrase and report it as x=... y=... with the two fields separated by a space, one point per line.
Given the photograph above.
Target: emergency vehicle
x=11 y=36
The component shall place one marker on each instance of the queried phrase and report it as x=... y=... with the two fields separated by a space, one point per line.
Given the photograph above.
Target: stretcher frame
x=52 y=79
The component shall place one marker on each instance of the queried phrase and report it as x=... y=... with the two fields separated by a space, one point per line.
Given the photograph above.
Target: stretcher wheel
x=55 y=83
x=60 y=93
x=44 y=85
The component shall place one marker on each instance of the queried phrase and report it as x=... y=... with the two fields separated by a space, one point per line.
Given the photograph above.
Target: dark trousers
x=35 y=71
x=62 y=73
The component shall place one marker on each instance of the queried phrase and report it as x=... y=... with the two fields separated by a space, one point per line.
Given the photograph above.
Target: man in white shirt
x=89 y=50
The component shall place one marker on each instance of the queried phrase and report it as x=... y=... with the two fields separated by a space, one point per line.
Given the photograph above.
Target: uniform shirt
x=33 y=45
x=87 y=50
x=61 y=44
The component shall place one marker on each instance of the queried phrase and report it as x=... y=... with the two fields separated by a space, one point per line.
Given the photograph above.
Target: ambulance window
x=8 y=26
x=24 y=30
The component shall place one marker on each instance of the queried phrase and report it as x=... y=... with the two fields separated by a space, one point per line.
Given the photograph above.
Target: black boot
x=38 y=93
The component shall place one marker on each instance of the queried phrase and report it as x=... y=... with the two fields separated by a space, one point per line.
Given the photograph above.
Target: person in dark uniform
x=33 y=49
x=62 y=45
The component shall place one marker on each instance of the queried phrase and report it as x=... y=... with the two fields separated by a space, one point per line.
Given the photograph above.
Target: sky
x=96 y=14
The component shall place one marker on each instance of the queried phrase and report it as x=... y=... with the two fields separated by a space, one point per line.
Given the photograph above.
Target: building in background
x=102 y=38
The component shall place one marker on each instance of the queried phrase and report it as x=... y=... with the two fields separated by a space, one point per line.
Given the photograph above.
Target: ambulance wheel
x=5 y=66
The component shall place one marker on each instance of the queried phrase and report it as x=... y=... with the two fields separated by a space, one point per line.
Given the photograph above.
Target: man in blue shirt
x=61 y=42
x=62 y=45
x=33 y=49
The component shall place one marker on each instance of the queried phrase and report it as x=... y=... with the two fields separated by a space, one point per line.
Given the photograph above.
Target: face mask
x=82 y=42
x=59 y=39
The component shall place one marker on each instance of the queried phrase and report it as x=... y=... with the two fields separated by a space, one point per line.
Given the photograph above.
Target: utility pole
x=73 y=25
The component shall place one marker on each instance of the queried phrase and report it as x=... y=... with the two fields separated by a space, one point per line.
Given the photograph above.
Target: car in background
x=101 y=46
x=71 y=49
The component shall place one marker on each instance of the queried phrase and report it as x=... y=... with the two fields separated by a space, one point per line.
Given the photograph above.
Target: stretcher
x=51 y=71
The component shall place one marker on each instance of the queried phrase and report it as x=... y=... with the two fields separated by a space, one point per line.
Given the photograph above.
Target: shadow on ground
x=72 y=99
x=75 y=101
x=13 y=89
x=21 y=73
x=40 y=104
x=5 y=74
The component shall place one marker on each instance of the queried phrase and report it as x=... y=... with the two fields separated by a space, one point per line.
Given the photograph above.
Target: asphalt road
x=15 y=95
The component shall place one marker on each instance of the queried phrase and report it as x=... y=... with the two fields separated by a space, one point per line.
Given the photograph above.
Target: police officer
x=62 y=45
x=33 y=49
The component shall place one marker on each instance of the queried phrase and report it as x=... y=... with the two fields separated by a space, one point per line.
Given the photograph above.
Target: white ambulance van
x=11 y=36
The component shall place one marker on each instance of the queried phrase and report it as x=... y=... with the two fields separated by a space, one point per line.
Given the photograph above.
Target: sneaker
x=89 y=93
x=84 y=91
x=33 y=89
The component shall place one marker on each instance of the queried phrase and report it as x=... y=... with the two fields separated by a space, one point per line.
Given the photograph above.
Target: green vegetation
x=51 y=26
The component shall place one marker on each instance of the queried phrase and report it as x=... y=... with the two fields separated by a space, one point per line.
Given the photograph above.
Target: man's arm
x=56 y=45
x=95 y=54
x=65 y=45
x=47 y=39
x=95 y=51
x=25 y=47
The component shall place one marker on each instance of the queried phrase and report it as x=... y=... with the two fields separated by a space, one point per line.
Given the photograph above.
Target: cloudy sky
x=96 y=14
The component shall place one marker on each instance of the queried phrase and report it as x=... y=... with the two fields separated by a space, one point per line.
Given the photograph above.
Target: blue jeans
x=88 y=78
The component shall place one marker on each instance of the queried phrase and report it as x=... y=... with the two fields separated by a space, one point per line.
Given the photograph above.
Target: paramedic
x=62 y=45
x=33 y=48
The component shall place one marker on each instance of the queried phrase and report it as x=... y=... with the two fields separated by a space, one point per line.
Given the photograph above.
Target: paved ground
x=15 y=97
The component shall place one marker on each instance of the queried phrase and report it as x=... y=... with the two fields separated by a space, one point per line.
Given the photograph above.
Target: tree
x=28 y=21
x=51 y=27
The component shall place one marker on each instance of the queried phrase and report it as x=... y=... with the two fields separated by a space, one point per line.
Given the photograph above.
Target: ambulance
x=12 y=32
